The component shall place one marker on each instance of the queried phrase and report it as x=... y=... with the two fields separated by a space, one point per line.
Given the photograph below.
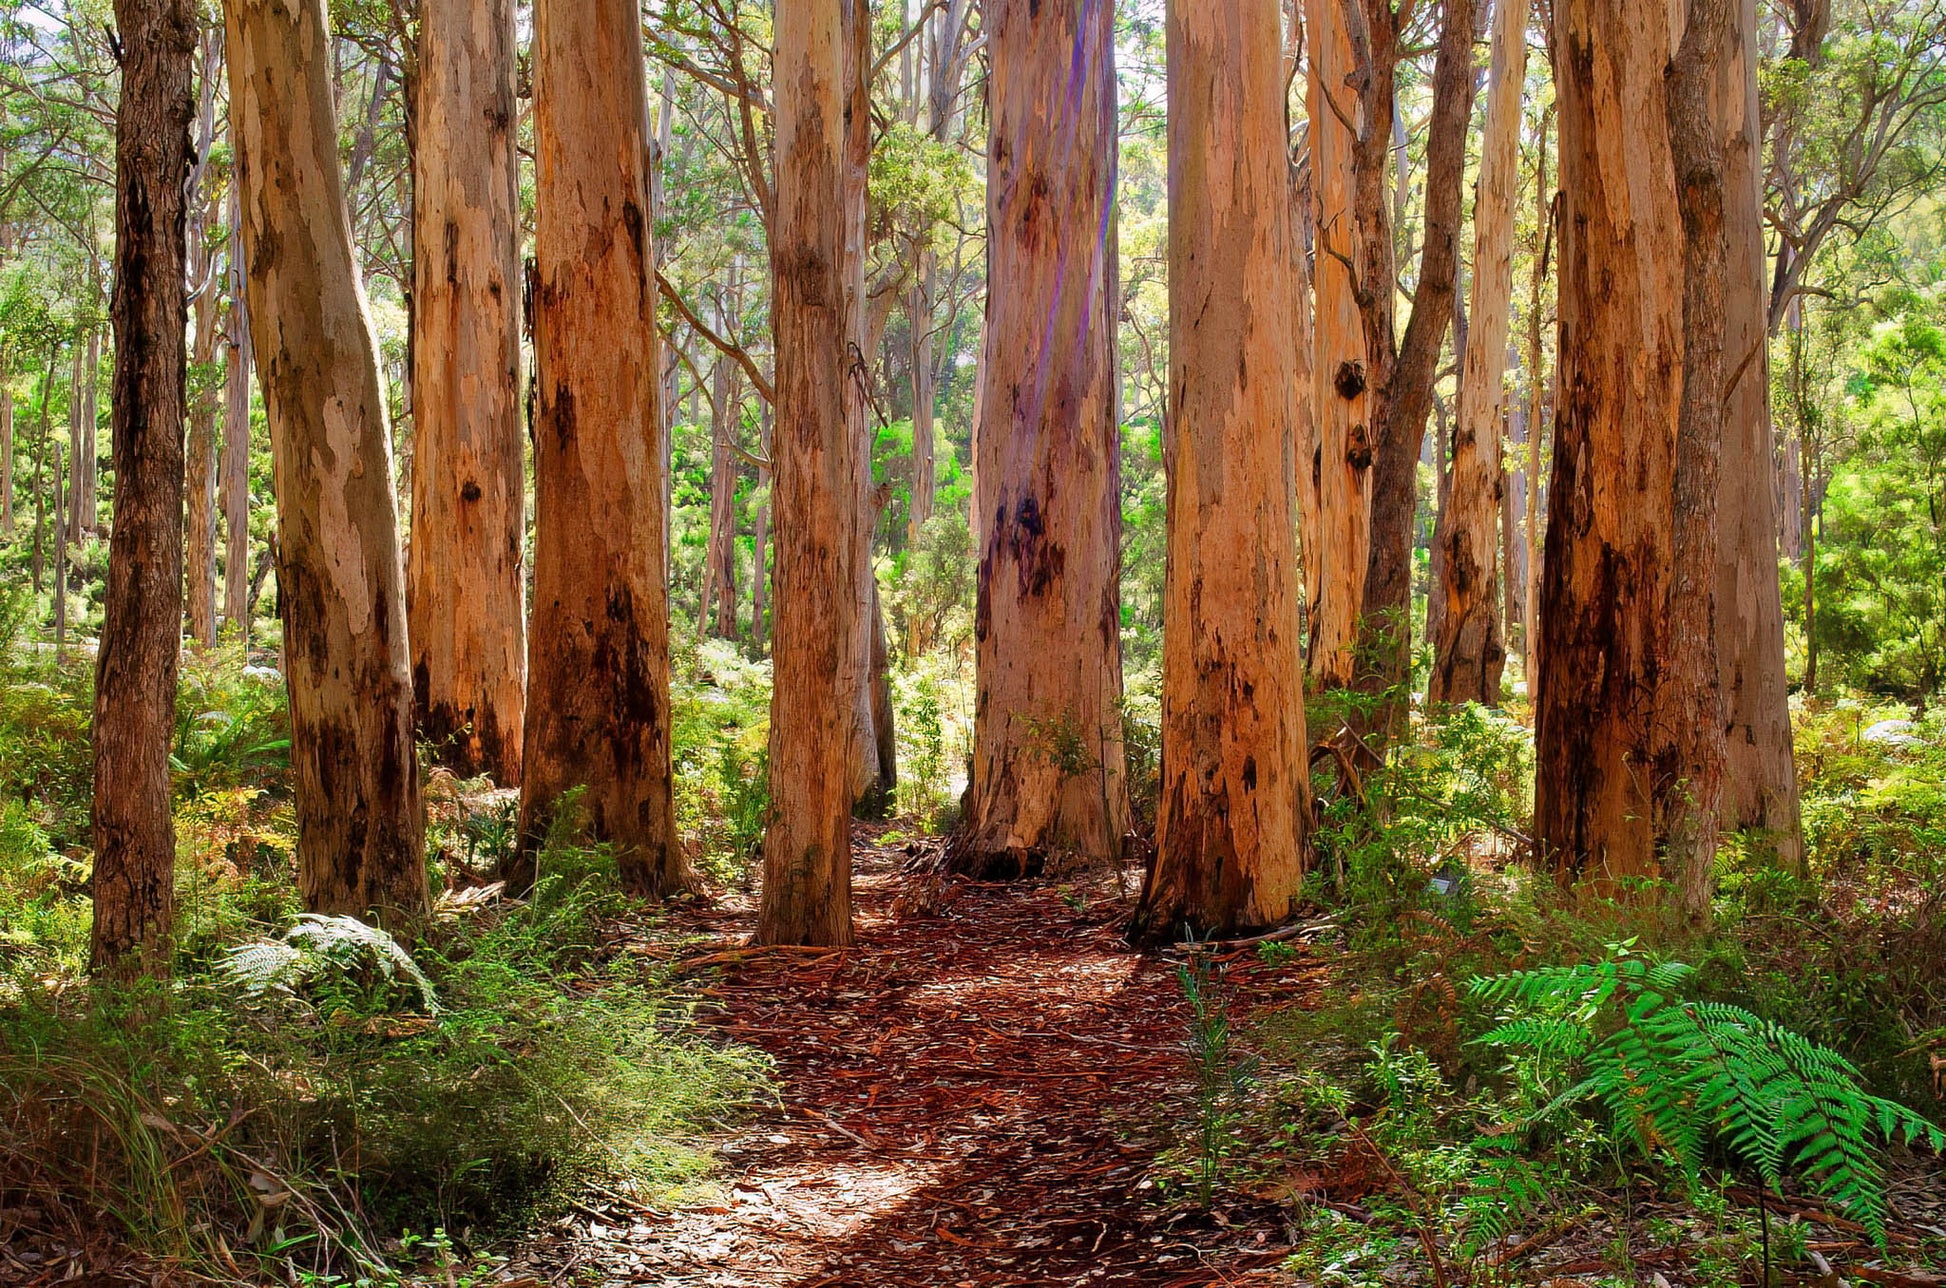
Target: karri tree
x=464 y=577
x=598 y=720
x=1760 y=774
x=141 y=637
x=819 y=466
x=1235 y=798
x=1049 y=774
x=1335 y=462
x=361 y=823
x=1604 y=579
x=1468 y=650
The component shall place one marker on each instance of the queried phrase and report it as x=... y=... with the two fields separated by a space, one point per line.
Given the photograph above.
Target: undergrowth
x=308 y=1098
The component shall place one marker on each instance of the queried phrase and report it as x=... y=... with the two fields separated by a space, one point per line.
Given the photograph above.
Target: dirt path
x=974 y=1096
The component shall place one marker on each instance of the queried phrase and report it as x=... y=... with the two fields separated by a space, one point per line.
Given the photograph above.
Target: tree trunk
x=1689 y=773
x=199 y=539
x=38 y=563
x=62 y=517
x=235 y=482
x=1402 y=381
x=141 y=636
x=725 y=399
x=1760 y=776
x=70 y=486
x=87 y=497
x=820 y=470
x=361 y=824
x=465 y=590
x=760 y=540
x=6 y=449
x=1235 y=794
x=1468 y=652
x=1538 y=412
x=1049 y=773
x=1337 y=483
x=924 y=395
x=1606 y=575
x=598 y=715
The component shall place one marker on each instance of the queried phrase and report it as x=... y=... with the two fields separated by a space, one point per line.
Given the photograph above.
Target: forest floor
x=976 y=1095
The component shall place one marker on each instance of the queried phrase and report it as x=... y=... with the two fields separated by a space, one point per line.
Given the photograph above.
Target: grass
x=335 y=1123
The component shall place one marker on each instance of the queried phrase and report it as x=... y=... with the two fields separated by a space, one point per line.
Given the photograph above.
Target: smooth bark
x=1335 y=482
x=1760 y=776
x=361 y=823
x=820 y=470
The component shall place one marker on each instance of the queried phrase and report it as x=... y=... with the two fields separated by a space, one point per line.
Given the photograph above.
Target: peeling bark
x=1605 y=578
x=598 y=714
x=1049 y=773
x=465 y=587
x=1235 y=795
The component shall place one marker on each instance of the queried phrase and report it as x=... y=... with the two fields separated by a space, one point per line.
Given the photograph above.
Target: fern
x=1676 y=1074
x=320 y=944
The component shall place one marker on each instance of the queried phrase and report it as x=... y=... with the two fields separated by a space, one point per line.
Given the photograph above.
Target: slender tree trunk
x=1049 y=772
x=725 y=400
x=361 y=825
x=39 y=562
x=141 y=636
x=77 y=442
x=1337 y=479
x=1810 y=579
x=923 y=398
x=760 y=541
x=599 y=715
x=1605 y=580
x=87 y=499
x=199 y=539
x=1402 y=381
x=1760 y=775
x=1537 y=409
x=464 y=579
x=1235 y=796
x=820 y=470
x=235 y=483
x=6 y=447
x=1469 y=651
x=1439 y=446
x=62 y=517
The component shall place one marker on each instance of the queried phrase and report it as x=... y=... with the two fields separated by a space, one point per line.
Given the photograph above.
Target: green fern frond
x=1673 y=1075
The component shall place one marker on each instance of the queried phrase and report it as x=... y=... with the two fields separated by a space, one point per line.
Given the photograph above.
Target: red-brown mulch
x=975 y=1095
